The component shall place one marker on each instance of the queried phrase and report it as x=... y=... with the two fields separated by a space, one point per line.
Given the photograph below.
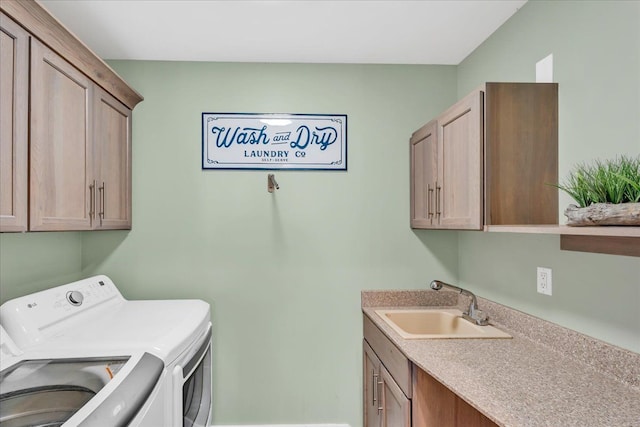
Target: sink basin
x=436 y=323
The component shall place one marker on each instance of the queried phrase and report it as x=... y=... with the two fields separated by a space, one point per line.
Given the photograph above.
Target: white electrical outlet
x=544 y=280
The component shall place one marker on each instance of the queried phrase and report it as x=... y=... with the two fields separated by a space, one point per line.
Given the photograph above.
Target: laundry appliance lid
x=164 y=328
x=90 y=316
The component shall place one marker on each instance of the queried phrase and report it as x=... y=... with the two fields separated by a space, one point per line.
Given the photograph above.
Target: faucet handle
x=481 y=317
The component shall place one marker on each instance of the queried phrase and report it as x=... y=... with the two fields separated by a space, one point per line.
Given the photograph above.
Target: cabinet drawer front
x=391 y=357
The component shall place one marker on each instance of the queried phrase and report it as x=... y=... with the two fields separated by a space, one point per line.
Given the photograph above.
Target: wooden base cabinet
x=397 y=393
x=434 y=405
x=488 y=160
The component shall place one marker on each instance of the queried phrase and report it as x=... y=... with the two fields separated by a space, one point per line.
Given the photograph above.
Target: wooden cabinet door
x=371 y=397
x=424 y=174
x=14 y=131
x=112 y=149
x=459 y=192
x=61 y=167
x=396 y=410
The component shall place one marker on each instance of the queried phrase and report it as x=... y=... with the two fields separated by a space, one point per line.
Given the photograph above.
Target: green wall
x=31 y=262
x=283 y=271
x=596 y=55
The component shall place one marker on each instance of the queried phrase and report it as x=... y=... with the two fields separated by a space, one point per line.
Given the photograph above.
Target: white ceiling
x=311 y=31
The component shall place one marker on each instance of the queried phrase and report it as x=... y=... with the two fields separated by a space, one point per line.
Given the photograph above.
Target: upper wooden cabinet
x=78 y=133
x=495 y=156
x=14 y=128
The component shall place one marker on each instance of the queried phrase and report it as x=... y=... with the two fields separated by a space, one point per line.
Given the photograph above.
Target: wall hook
x=272 y=183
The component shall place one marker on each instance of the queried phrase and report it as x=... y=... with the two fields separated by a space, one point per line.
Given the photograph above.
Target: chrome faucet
x=472 y=314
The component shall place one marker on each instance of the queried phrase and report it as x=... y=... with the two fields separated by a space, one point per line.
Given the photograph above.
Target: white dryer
x=111 y=361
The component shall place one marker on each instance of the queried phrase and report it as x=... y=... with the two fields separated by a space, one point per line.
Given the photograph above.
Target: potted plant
x=607 y=192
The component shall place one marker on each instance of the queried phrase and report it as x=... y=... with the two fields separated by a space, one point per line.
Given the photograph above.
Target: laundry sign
x=274 y=141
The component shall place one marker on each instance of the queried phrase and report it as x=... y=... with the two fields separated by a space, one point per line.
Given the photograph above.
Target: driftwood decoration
x=604 y=214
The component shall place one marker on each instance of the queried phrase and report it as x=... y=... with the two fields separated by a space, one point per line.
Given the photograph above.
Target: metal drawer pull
x=102 y=191
x=438 y=188
x=429 y=194
x=375 y=387
x=381 y=407
x=92 y=200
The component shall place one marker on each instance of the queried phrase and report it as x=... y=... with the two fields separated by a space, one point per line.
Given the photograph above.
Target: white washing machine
x=82 y=355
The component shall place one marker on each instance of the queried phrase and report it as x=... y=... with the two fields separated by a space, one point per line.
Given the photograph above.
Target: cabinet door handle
x=374 y=380
x=438 y=188
x=381 y=407
x=382 y=401
x=92 y=200
x=429 y=194
x=102 y=191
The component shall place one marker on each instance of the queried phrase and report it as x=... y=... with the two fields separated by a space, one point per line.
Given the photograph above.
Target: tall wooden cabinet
x=14 y=127
x=73 y=115
x=495 y=156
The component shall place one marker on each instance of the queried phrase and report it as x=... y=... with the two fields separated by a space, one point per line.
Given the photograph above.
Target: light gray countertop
x=545 y=375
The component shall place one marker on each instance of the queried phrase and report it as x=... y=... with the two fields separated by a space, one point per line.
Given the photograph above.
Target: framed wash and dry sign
x=274 y=141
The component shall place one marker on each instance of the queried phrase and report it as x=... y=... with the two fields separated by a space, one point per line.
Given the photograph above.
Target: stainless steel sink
x=436 y=323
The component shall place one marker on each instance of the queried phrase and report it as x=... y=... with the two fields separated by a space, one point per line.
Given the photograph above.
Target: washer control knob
x=75 y=297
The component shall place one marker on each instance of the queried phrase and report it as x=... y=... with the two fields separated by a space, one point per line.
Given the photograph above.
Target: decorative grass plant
x=597 y=186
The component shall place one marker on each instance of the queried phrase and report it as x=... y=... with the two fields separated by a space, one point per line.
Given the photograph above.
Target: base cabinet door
x=371 y=399
x=396 y=407
x=385 y=404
